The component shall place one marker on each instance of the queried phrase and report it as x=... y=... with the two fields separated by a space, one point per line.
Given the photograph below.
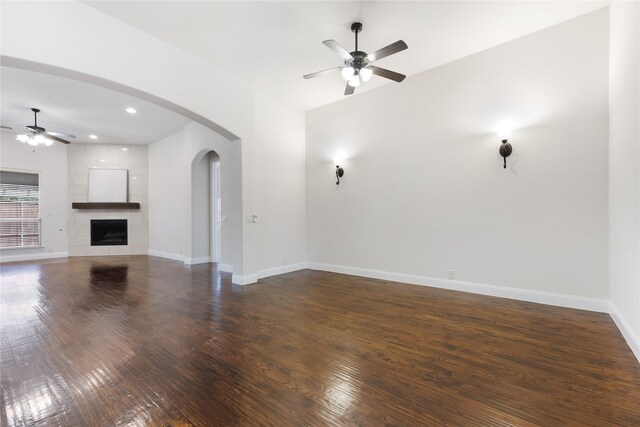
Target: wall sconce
x=505 y=148
x=339 y=173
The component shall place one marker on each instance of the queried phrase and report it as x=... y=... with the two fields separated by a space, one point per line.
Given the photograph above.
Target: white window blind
x=19 y=209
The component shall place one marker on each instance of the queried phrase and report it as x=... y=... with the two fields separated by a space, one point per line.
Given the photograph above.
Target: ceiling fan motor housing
x=359 y=60
x=35 y=129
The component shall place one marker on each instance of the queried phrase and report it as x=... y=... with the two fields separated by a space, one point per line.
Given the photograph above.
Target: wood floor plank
x=148 y=341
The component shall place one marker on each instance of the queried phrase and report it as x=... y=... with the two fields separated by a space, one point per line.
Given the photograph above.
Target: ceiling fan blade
x=334 y=46
x=387 y=74
x=61 y=135
x=349 y=89
x=6 y=127
x=55 y=138
x=320 y=73
x=387 y=50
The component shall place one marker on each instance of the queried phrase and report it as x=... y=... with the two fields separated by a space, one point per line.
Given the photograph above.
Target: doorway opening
x=207 y=220
x=216 y=212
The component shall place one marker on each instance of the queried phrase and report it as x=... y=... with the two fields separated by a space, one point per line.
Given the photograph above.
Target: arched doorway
x=207 y=218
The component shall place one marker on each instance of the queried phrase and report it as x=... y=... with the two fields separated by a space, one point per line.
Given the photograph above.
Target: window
x=19 y=210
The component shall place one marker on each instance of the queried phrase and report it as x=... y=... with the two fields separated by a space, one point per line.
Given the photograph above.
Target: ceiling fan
x=357 y=66
x=38 y=135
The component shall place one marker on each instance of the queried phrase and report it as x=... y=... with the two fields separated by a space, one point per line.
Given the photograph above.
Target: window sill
x=21 y=247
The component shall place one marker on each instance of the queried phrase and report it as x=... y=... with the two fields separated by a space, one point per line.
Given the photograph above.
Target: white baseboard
x=282 y=269
x=178 y=257
x=247 y=279
x=32 y=257
x=199 y=260
x=561 y=300
x=227 y=268
x=168 y=255
x=632 y=339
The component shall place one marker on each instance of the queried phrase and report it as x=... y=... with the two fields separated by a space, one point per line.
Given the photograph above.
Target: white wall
x=199 y=141
x=424 y=190
x=280 y=164
x=51 y=163
x=280 y=204
x=167 y=197
x=82 y=157
x=177 y=228
x=624 y=167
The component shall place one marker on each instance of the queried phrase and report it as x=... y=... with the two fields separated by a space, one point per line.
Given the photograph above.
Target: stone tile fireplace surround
x=82 y=157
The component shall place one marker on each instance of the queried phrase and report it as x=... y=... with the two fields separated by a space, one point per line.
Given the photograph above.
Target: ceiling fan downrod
x=356 y=27
x=35 y=117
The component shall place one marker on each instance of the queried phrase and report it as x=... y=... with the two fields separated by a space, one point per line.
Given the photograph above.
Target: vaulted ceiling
x=272 y=44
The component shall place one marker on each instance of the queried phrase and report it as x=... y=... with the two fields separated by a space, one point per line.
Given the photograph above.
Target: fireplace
x=108 y=232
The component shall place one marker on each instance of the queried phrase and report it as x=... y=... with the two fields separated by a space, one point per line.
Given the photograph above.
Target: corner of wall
x=627 y=331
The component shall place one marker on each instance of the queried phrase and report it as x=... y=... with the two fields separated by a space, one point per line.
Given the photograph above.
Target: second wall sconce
x=339 y=173
x=505 y=148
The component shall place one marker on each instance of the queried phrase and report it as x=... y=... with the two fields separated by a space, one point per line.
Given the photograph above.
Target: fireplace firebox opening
x=109 y=232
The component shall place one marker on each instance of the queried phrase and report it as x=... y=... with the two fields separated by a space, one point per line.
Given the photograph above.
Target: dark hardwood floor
x=147 y=341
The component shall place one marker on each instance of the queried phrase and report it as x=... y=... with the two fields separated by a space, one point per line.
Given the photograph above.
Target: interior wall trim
x=168 y=255
x=30 y=257
x=625 y=329
x=198 y=260
x=227 y=268
x=549 y=298
x=178 y=257
x=281 y=269
x=247 y=279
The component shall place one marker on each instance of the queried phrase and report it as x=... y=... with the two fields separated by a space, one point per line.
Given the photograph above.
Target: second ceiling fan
x=357 y=66
x=36 y=135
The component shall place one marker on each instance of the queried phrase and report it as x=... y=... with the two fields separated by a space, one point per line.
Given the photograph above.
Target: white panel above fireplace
x=108 y=185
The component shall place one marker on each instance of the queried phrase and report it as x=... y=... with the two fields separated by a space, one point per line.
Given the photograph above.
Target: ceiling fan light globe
x=355 y=81
x=22 y=138
x=347 y=73
x=48 y=142
x=32 y=141
x=366 y=74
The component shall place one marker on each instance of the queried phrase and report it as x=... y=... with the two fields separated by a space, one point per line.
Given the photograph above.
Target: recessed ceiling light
x=102 y=160
x=131 y=110
x=124 y=149
x=93 y=136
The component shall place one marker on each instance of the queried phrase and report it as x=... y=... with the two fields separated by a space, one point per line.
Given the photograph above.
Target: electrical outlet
x=451 y=274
